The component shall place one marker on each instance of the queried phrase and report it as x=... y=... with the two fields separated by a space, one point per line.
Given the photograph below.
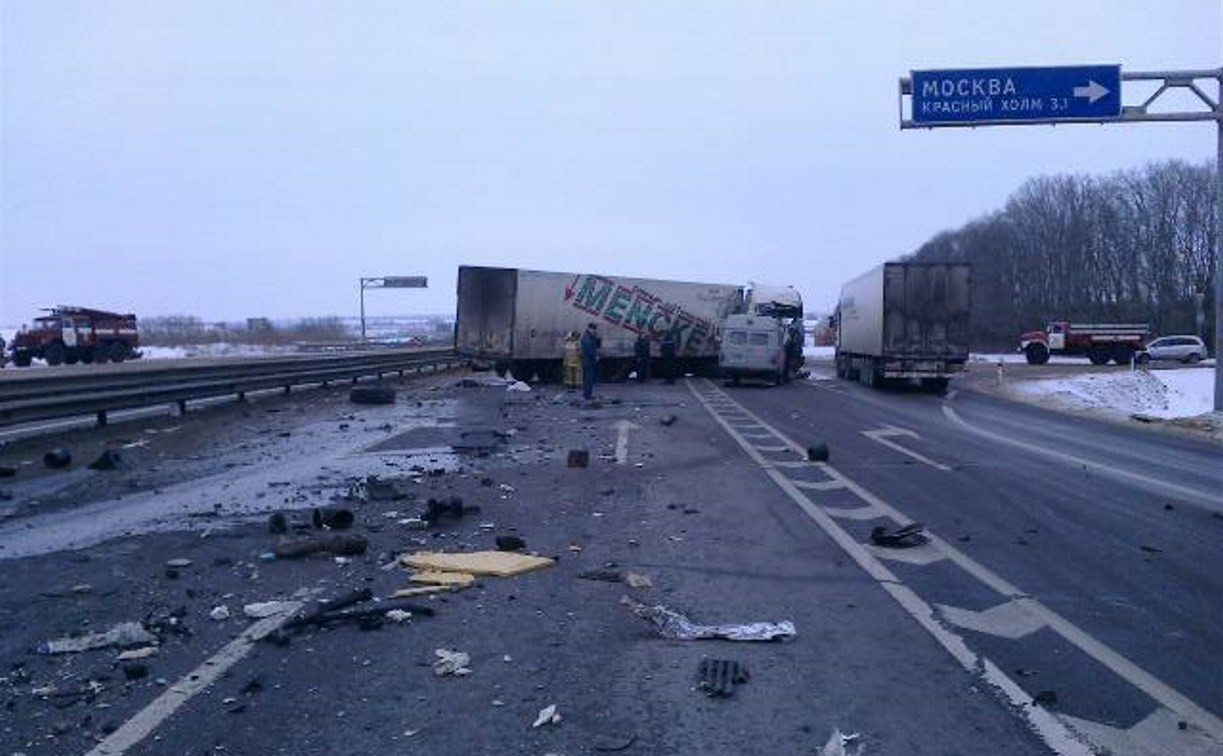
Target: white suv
x=1184 y=348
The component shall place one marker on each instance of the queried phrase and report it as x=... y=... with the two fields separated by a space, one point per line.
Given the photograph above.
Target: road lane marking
x=1009 y=619
x=856 y=513
x=1148 y=737
x=161 y=708
x=622 y=430
x=764 y=448
x=820 y=485
x=1164 y=694
x=1054 y=734
x=884 y=434
x=919 y=555
x=1211 y=501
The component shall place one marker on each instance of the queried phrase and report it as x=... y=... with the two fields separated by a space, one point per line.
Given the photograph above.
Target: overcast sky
x=234 y=159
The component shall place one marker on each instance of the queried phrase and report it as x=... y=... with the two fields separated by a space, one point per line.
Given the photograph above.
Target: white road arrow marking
x=1006 y=620
x=1092 y=91
x=881 y=436
x=622 y=428
x=919 y=555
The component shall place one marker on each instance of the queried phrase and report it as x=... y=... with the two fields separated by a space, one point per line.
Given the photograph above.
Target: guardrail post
x=242 y=396
x=101 y=418
x=288 y=390
x=182 y=407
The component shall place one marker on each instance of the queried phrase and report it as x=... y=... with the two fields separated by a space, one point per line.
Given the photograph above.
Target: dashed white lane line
x=150 y=717
x=1199 y=719
x=1210 y=500
x=884 y=436
x=820 y=485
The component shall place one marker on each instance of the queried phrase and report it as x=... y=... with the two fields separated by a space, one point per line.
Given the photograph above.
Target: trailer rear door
x=484 y=323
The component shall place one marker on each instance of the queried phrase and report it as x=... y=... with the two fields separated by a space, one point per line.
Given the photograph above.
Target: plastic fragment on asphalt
x=671 y=624
x=547 y=715
x=219 y=613
x=837 y=742
x=122 y=634
x=518 y=386
x=137 y=653
x=451 y=663
x=398 y=615
x=498 y=563
x=425 y=590
x=636 y=580
x=438 y=577
x=261 y=609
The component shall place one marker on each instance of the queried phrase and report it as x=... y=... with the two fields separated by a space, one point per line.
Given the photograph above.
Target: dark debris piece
x=607 y=576
x=902 y=538
x=718 y=677
x=510 y=543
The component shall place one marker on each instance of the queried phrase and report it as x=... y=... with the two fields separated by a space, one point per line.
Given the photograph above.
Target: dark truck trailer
x=904 y=320
x=518 y=319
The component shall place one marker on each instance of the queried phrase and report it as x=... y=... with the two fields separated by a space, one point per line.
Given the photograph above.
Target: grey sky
x=230 y=159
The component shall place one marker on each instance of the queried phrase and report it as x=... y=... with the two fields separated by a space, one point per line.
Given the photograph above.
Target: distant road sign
x=404 y=282
x=1010 y=95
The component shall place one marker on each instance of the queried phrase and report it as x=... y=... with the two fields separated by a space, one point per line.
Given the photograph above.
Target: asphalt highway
x=1067 y=599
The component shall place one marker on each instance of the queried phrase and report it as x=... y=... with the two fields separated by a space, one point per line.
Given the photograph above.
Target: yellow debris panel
x=435 y=577
x=499 y=563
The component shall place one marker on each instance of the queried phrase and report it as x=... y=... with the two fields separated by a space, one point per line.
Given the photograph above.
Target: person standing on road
x=590 y=359
x=641 y=350
x=573 y=361
x=667 y=348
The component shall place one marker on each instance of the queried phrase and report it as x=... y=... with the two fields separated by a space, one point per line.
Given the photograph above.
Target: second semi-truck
x=904 y=320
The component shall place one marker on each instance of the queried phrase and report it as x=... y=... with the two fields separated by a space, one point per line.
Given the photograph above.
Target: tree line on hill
x=1135 y=246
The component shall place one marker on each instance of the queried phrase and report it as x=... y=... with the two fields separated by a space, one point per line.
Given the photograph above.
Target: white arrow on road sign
x=1092 y=91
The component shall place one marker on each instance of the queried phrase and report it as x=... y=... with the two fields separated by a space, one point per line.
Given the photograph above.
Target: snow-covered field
x=1165 y=394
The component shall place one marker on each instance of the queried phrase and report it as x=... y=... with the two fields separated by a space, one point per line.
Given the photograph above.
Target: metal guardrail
x=28 y=398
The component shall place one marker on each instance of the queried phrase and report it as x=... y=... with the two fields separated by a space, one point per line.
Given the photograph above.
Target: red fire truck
x=1101 y=342
x=77 y=334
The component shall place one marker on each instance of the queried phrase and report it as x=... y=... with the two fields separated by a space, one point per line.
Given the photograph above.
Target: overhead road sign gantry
x=981 y=96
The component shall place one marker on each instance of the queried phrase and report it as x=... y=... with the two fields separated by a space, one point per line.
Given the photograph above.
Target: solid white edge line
x=1051 y=731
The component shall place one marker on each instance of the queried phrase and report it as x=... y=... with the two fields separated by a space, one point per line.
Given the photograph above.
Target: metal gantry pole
x=361 y=285
x=1218 y=221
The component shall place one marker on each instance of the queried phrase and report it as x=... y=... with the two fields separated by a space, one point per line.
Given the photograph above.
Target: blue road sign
x=1009 y=95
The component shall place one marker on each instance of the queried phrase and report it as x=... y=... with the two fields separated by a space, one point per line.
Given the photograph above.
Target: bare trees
x=1134 y=246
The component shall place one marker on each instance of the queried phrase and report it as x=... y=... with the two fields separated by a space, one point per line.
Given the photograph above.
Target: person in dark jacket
x=667 y=348
x=590 y=359
x=641 y=350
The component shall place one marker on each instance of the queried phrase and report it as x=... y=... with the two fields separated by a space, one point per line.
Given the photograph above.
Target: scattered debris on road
x=332 y=518
x=903 y=537
x=817 y=452
x=510 y=543
x=219 y=613
x=668 y=420
x=109 y=460
x=261 y=609
x=841 y=745
x=606 y=576
x=143 y=652
x=636 y=580
x=372 y=395
x=497 y=563
x=451 y=663
x=340 y=545
x=547 y=715
x=718 y=677
x=444 y=578
x=57 y=459
x=671 y=624
x=123 y=634
x=578 y=458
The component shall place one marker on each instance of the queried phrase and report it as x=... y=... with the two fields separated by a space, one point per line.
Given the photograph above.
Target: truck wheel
x=1036 y=354
x=85 y=355
x=119 y=351
x=71 y=355
x=1099 y=355
x=1123 y=355
x=101 y=352
x=54 y=354
x=22 y=358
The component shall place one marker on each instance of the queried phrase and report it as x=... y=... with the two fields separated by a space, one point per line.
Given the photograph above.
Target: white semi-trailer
x=904 y=320
x=518 y=319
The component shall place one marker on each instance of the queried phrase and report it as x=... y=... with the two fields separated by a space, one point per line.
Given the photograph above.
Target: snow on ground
x=819 y=351
x=221 y=349
x=1165 y=394
x=1018 y=357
